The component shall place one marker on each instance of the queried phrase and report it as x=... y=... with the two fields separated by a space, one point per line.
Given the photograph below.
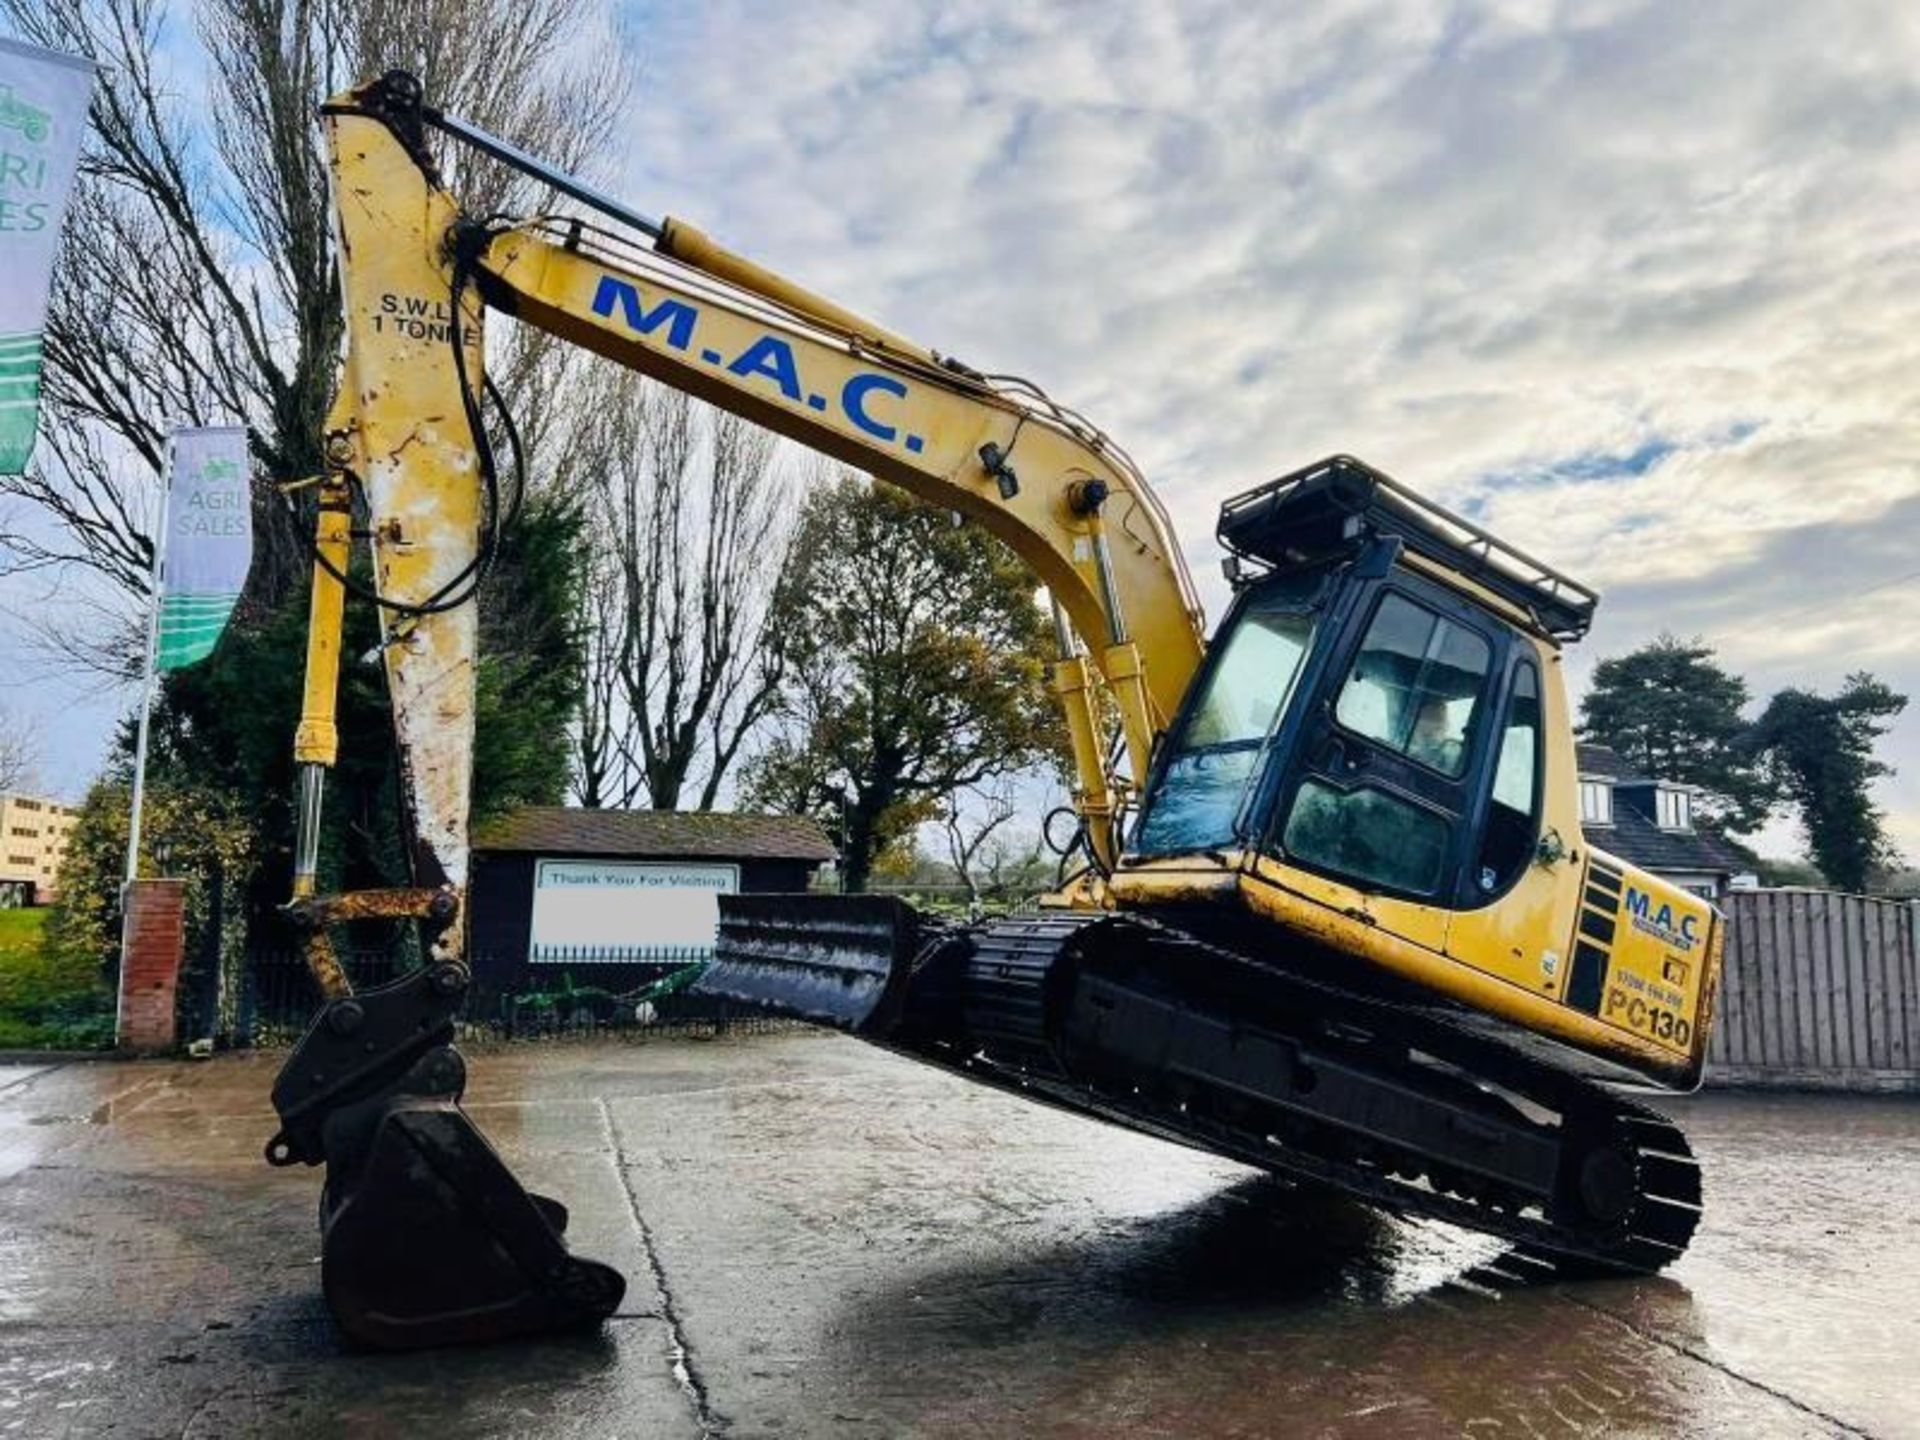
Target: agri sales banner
x=43 y=115
x=209 y=542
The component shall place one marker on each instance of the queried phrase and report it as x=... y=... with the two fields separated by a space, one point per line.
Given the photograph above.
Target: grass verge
x=48 y=1000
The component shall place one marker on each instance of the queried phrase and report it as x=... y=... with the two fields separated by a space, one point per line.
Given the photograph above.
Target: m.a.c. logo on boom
x=768 y=357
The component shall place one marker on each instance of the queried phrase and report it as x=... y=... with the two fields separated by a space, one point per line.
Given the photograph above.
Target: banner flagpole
x=202 y=550
x=149 y=675
x=154 y=588
x=205 y=496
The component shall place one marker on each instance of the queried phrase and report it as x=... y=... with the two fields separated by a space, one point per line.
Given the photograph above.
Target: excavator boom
x=372 y=1090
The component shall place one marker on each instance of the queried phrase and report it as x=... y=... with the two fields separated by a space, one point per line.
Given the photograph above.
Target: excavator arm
x=415 y=1195
x=418 y=276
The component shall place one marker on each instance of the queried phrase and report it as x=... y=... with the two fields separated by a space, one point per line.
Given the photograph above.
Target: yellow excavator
x=1333 y=913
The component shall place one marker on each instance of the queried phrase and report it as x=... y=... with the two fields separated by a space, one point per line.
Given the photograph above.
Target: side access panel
x=1646 y=956
x=1271 y=892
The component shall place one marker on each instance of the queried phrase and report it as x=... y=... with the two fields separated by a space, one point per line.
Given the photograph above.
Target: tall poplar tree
x=1820 y=749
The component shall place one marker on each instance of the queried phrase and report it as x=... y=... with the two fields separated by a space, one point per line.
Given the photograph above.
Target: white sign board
x=606 y=911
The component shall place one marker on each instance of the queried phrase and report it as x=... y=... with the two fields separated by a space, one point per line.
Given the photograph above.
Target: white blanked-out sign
x=608 y=911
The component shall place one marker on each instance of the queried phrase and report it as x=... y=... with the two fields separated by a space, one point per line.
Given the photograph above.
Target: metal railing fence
x=509 y=999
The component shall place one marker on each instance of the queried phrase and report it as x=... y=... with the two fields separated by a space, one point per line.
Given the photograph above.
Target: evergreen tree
x=225 y=726
x=1820 y=750
x=1670 y=710
x=532 y=660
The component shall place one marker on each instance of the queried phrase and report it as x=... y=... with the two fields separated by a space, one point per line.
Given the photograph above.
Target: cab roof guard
x=1327 y=505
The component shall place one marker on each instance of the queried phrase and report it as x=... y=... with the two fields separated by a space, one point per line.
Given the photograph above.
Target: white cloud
x=1638 y=281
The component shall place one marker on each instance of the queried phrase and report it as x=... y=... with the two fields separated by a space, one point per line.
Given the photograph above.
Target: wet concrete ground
x=825 y=1240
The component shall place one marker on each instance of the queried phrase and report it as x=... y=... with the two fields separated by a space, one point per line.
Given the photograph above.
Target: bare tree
x=1018 y=870
x=19 y=752
x=198 y=282
x=602 y=774
x=969 y=828
x=692 y=527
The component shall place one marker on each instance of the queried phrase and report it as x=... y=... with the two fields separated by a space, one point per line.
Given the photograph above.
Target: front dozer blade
x=426 y=1236
x=838 y=960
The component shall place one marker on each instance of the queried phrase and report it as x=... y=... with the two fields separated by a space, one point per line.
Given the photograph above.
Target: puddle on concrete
x=885 y=1251
x=1261 y=1310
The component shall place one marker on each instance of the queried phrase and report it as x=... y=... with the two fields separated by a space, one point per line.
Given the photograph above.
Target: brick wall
x=153 y=942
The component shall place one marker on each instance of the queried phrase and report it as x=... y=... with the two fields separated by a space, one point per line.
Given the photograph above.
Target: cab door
x=1378 y=806
x=1519 y=885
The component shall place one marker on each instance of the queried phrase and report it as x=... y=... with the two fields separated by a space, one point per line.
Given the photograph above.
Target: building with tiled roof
x=1650 y=823
x=655 y=834
x=611 y=897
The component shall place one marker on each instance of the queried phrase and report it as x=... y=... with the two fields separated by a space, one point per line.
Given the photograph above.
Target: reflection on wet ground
x=836 y=1242
x=1258 y=1309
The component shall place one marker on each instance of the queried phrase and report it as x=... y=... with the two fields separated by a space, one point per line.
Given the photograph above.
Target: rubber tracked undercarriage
x=1238 y=1050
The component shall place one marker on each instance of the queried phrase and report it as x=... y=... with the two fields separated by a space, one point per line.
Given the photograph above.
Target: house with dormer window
x=1650 y=823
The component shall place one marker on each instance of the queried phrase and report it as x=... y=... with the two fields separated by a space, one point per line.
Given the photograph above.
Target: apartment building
x=33 y=842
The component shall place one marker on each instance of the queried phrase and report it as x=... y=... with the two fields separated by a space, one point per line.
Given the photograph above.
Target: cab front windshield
x=1205 y=780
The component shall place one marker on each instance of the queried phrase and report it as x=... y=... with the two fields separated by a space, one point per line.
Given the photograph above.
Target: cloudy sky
x=1636 y=283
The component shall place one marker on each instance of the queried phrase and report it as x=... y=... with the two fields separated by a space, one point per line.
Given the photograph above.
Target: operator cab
x=1358 y=716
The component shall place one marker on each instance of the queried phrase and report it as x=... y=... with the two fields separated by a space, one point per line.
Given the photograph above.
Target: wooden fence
x=1820 y=991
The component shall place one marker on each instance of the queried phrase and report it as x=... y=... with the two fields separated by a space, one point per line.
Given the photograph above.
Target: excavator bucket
x=838 y=960
x=427 y=1237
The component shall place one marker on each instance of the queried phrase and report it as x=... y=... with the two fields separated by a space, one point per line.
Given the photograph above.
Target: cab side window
x=1416 y=685
x=1514 y=812
x=1369 y=834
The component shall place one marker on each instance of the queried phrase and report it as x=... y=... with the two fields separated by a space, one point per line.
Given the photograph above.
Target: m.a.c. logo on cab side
x=1660 y=923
